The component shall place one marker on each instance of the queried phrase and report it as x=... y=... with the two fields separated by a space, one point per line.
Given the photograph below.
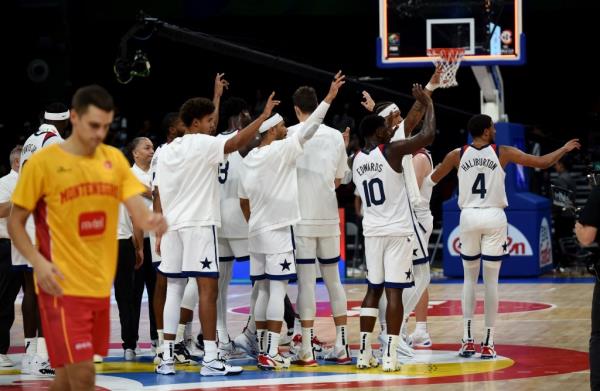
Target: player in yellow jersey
x=74 y=190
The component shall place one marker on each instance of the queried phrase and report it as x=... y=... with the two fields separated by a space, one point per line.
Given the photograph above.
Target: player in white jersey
x=35 y=360
x=415 y=169
x=377 y=172
x=483 y=225
x=269 y=198
x=189 y=196
x=186 y=350
x=233 y=233
x=320 y=170
x=10 y=280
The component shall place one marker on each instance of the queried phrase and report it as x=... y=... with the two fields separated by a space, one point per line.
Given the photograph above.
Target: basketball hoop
x=449 y=59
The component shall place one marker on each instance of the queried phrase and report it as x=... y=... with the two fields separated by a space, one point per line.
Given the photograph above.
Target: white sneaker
x=192 y=347
x=218 y=367
x=286 y=338
x=267 y=362
x=366 y=360
x=129 y=355
x=6 y=362
x=26 y=364
x=165 y=367
x=98 y=359
x=420 y=340
x=390 y=363
x=340 y=354
x=404 y=350
x=41 y=367
x=247 y=343
x=229 y=350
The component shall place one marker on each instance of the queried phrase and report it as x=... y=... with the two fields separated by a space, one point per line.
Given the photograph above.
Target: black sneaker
x=182 y=355
x=200 y=342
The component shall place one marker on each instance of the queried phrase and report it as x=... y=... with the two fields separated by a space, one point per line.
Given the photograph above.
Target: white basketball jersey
x=153 y=165
x=46 y=135
x=383 y=193
x=481 y=178
x=233 y=223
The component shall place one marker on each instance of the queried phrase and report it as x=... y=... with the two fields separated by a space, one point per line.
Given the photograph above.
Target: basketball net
x=449 y=60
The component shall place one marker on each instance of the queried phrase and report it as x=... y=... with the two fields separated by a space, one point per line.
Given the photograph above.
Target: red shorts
x=75 y=327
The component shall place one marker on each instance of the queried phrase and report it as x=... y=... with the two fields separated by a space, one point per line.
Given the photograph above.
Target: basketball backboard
x=490 y=31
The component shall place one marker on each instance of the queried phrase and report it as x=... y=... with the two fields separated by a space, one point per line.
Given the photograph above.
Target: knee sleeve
x=277 y=292
x=491 y=272
x=411 y=296
x=190 y=294
x=262 y=300
x=175 y=290
x=337 y=295
x=225 y=269
x=471 y=273
x=307 y=280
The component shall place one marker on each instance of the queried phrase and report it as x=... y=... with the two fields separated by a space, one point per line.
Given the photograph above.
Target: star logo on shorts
x=414 y=252
x=505 y=246
x=459 y=245
x=408 y=274
x=206 y=264
x=285 y=265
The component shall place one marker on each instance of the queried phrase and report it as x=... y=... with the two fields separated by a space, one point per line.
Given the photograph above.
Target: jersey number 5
x=223 y=170
x=371 y=197
x=479 y=186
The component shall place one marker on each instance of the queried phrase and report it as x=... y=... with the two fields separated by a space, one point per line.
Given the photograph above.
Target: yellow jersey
x=75 y=202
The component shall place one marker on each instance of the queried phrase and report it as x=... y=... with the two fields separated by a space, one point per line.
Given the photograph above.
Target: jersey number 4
x=373 y=197
x=223 y=170
x=479 y=186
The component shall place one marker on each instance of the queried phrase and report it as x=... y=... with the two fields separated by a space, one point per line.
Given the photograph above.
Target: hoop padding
x=449 y=59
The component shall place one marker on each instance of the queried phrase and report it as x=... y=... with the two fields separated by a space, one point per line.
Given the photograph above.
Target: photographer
x=586 y=230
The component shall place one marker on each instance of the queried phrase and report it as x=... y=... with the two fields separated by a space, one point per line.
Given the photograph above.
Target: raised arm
x=396 y=150
x=220 y=85
x=244 y=136
x=449 y=163
x=422 y=167
x=316 y=118
x=514 y=155
x=418 y=108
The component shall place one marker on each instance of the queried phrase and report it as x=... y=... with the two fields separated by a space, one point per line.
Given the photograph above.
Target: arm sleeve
x=30 y=186
x=130 y=185
x=590 y=215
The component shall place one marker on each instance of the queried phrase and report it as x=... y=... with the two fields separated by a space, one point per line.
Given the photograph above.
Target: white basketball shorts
x=190 y=252
x=389 y=261
x=325 y=249
x=483 y=234
x=230 y=249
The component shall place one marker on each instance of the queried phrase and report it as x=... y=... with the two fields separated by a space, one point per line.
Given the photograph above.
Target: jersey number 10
x=371 y=198
x=479 y=186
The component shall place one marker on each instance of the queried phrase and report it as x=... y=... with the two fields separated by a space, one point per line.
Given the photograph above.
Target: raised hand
x=434 y=82
x=338 y=81
x=46 y=274
x=346 y=136
x=420 y=95
x=572 y=144
x=220 y=85
x=367 y=102
x=270 y=105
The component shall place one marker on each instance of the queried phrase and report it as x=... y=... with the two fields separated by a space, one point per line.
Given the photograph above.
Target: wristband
x=431 y=87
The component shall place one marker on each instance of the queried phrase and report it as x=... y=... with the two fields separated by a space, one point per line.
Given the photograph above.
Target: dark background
x=557 y=89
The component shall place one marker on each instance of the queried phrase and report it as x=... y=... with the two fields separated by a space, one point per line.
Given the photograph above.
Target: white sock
x=168 y=349
x=210 y=350
x=421 y=327
x=30 y=346
x=41 y=349
x=272 y=343
x=365 y=342
x=188 y=332
x=467 y=334
x=260 y=335
x=180 y=331
x=222 y=336
x=341 y=336
x=161 y=336
x=488 y=337
x=307 y=334
x=383 y=328
x=297 y=327
x=392 y=344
